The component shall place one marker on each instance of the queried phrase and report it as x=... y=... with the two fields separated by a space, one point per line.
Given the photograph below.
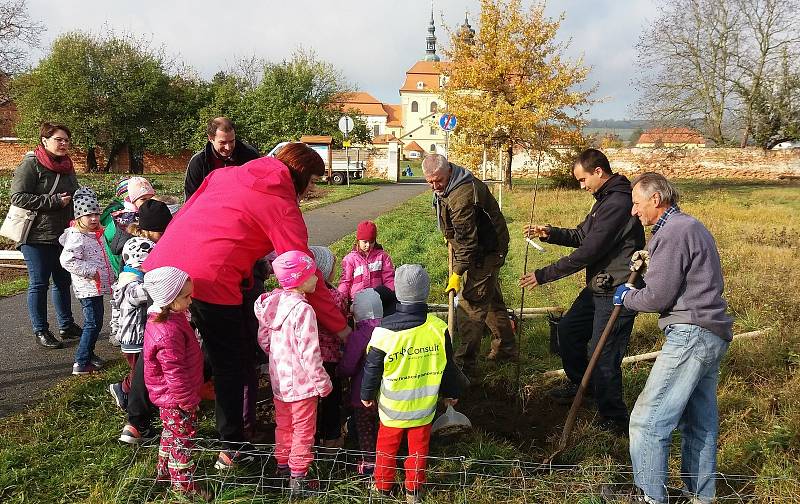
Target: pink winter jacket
x=330 y=345
x=237 y=216
x=173 y=362
x=288 y=334
x=361 y=272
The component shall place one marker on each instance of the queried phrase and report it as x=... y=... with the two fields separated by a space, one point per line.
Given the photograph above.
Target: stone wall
x=708 y=163
x=11 y=153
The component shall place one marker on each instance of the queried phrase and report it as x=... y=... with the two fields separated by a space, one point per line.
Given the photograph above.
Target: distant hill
x=625 y=124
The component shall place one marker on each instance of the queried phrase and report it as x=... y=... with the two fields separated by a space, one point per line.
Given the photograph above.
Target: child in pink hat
x=288 y=333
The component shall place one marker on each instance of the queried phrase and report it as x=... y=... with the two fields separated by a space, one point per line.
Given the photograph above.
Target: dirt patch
x=494 y=409
x=7 y=273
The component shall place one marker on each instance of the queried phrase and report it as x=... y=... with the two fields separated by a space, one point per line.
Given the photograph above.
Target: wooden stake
x=652 y=355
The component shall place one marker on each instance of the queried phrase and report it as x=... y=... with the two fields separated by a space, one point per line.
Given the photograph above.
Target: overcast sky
x=372 y=42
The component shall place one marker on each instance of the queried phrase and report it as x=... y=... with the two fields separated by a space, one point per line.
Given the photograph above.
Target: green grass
x=63 y=450
x=416 y=167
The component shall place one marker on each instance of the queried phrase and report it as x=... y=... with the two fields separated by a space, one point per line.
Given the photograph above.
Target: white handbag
x=18 y=221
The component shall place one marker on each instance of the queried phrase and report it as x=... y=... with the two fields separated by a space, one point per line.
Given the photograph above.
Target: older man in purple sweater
x=684 y=285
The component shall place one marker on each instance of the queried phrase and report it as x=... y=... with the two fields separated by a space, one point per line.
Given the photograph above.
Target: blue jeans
x=43 y=262
x=92 y=308
x=681 y=392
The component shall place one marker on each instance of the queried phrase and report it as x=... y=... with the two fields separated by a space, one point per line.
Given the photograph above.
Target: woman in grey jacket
x=33 y=179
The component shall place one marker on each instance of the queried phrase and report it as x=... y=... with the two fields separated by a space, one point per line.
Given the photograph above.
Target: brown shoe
x=497 y=354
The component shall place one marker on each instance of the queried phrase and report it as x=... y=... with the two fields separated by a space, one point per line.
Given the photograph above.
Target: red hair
x=303 y=162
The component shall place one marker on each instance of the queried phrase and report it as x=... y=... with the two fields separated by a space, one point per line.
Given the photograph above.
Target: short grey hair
x=434 y=163
x=652 y=182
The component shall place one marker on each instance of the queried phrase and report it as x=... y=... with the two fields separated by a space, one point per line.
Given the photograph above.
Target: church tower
x=430 y=50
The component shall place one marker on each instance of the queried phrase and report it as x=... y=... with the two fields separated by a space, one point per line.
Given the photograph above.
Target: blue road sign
x=448 y=122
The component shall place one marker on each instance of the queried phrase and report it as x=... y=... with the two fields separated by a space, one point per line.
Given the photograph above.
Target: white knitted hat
x=367 y=305
x=163 y=285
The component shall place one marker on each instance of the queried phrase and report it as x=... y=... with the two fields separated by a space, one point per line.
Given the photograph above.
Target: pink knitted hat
x=138 y=187
x=293 y=268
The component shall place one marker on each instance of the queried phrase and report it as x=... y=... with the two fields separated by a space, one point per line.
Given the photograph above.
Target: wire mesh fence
x=449 y=479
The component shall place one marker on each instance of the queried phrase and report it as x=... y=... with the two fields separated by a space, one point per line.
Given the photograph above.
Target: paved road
x=26 y=369
x=328 y=224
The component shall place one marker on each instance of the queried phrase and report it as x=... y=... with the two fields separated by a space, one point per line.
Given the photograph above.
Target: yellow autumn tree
x=510 y=85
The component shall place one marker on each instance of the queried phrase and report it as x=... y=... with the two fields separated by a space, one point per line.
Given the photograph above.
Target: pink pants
x=295 y=426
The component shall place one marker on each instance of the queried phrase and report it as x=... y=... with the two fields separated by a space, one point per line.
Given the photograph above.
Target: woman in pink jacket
x=288 y=333
x=173 y=373
x=368 y=265
x=237 y=216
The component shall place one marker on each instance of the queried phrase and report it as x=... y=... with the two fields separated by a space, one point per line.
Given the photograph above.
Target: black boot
x=47 y=340
x=72 y=331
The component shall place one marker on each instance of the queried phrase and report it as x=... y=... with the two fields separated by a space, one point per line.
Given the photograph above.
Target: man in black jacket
x=604 y=243
x=222 y=149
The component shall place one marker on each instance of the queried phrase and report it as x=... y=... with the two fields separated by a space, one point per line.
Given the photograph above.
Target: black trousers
x=329 y=416
x=578 y=332
x=140 y=410
x=230 y=354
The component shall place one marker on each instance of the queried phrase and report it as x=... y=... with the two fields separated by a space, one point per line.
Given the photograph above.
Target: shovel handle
x=451 y=296
x=587 y=375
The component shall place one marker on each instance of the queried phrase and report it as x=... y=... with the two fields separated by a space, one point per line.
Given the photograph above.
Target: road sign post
x=346 y=124
x=448 y=123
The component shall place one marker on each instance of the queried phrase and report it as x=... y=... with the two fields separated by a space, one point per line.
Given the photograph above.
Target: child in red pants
x=288 y=333
x=409 y=364
x=173 y=373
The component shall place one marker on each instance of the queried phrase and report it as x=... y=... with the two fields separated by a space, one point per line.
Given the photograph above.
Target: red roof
x=413 y=146
x=384 y=139
x=680 y=135
x=426 y=72
x=394 y=115
x=362 y=102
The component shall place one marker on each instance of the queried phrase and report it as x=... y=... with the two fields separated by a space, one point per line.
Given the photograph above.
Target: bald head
x=436 y=171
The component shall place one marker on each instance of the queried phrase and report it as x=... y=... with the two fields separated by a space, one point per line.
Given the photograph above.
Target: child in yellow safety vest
x=408 y=366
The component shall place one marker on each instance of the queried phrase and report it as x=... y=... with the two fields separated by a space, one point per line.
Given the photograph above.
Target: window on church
x=420 y=85
x=433 y=147
x=414 y=106
x=434 y=106
x=433 y=130
x=376 y=129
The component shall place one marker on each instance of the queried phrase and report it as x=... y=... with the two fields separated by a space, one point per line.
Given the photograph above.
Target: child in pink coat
x=288 y=333
x=368 y=265
x=329 y=424
x=173 y=373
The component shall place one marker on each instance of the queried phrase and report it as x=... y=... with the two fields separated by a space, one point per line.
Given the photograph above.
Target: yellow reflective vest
x=412 y=372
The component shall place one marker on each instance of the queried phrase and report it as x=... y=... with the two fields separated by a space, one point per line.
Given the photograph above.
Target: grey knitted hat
x=85 y=202
x=367 y=305
x=412 y=284
x=324 y=259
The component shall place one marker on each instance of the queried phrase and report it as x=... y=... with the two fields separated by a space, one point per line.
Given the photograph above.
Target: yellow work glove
x=453 y=283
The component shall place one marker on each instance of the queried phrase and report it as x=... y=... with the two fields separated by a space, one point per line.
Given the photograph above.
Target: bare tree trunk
x=91 y=160
x=510 y=156
x=112 y=156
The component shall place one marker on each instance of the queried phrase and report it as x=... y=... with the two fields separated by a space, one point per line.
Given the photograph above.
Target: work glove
x=453 y=283
x=619 y=294
x=639 y=261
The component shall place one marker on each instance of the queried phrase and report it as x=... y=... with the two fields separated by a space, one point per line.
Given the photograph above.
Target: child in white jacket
x=84 y=256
